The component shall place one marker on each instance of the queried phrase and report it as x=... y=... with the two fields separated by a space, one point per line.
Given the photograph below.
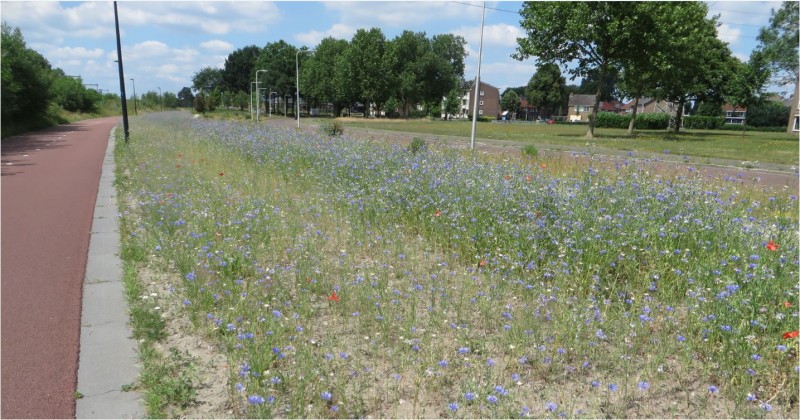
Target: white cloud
x=499 y=34
x=217 y=45
x=729 y=34
x=337 y=31
x=402 y=15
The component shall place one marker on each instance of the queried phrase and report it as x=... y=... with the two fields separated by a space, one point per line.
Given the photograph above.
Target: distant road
x=49 y=186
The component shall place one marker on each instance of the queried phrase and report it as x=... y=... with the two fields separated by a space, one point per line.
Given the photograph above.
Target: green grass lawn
x=780 y=148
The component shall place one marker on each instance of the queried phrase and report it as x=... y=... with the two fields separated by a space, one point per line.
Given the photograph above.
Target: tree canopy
x=779 y=42
x=547 y=89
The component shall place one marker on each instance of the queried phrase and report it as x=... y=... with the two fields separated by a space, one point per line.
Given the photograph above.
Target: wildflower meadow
x=347 y=278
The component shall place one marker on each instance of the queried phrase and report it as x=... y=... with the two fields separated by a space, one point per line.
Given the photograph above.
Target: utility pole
x=135 y=111
x=477 y=86
x=121 y=78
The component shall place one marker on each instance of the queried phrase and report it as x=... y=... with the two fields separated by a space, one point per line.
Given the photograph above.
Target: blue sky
x=165 y=43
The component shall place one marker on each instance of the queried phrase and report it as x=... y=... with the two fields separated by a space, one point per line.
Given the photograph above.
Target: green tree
x=278 y=59
x=26 y=79
x=746 y=85
x=510 y=102
x=368 y=66
x=70 y=94
x=200 y=103
x=185 y=97
x=709 y=109
x=239 y=69
x=695 y=64
x=407 y=56
x=547 y=89
x=170 y=100
x=452 y=103
x=593 y=35
x=779 y=42
x=207 y=79
x=319 y=76
x=767 y=114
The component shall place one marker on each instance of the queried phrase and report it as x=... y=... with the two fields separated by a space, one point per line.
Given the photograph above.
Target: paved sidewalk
x=108 y=358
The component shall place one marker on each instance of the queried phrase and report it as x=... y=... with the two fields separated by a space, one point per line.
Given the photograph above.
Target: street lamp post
x=160 y=102
x=135 y=111
x=258 y=94
x=251 y=100
x=270 y=102
x=297 y=73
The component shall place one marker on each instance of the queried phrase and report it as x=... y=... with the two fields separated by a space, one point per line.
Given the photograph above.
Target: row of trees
x=30 y=85
x=667 y=51
x=393 y=75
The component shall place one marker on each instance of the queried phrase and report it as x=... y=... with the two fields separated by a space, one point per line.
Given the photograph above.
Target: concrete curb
x=108 y=355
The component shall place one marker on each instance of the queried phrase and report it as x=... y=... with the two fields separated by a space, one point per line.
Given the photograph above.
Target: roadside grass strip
x=345 y=278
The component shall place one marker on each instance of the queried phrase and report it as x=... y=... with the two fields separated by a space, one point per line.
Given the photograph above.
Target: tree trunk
x=593 y=119
x=679 y=115
x=632 y=123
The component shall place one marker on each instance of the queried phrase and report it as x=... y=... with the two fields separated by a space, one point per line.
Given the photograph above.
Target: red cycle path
x=49 y=186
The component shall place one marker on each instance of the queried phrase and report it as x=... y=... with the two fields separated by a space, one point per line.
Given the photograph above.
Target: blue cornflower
x=713 y=389
x=190 y=276
x=277 y=314
x=551 y=407
x=644 y=385
x=255 y=399
x=490 y=362
x=492 y=399
x=500 y=390
x=453 y=406
x=326 y=396
x=681 y=338
x=725 y=328
x=463 y=350
x=275 y=380
x=751 y=397
x=765 y=406
x=600 y=334
x=595 y=384
x=515 y=377
x=613 y=387
x=756 y=357
x=469 y=396
x=781 y=347
x=334 y=408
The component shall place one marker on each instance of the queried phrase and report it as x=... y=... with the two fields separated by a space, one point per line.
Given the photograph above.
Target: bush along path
x=342 y=278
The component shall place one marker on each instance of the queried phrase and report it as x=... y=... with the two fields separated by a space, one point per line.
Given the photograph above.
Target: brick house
x=580 y=107
x=488 y=102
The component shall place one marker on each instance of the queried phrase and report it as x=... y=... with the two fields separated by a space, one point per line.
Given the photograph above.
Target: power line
x=490 y=8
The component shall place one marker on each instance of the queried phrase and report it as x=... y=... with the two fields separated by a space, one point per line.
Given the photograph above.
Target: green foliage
x=200 y=103
x=26 y=79
x=207 y=79
x=332 y=129
x=239 y=69
x=703 y=123
x=510 y=102
x=417 y=144
x=709 y=109
x=168 y=381
x=652 y=121
x=778 y=41
x=185 y=97
x=547 y=90
x=612 y=120
x=768 y=114
x=71 y=95
x=530 y=150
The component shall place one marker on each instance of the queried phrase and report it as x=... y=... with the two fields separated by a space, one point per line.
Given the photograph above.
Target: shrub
x=700 y=122
x=332 y=129
x=530 y=151
x=652 y=121
x=611 y=120
x=416 y=145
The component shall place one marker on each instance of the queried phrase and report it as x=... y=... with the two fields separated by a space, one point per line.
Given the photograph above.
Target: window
x=796 y=124
x=481 y=93
x=480 y=112
x=480 y=103
x=585 y=109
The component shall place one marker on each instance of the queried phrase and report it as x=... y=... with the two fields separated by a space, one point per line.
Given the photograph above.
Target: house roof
x=642 y=102
x=611 y=106
x=581 y=100
x=729 y=107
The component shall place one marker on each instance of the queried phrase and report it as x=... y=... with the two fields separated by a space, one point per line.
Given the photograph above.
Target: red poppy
x=334 y=297
x=792 y=334
x=507 y=177
x=787 y=304
x=438 y=213
x=221 y=173
x=528 y=178
x=482 y=263
x=772 y=246
x=543 y=166
x=178 y=165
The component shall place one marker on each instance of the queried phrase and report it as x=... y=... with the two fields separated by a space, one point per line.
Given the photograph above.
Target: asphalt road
x=49 y=186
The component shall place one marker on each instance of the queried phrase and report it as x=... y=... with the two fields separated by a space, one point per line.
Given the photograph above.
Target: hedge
x=700 y=122
x=647 y=121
